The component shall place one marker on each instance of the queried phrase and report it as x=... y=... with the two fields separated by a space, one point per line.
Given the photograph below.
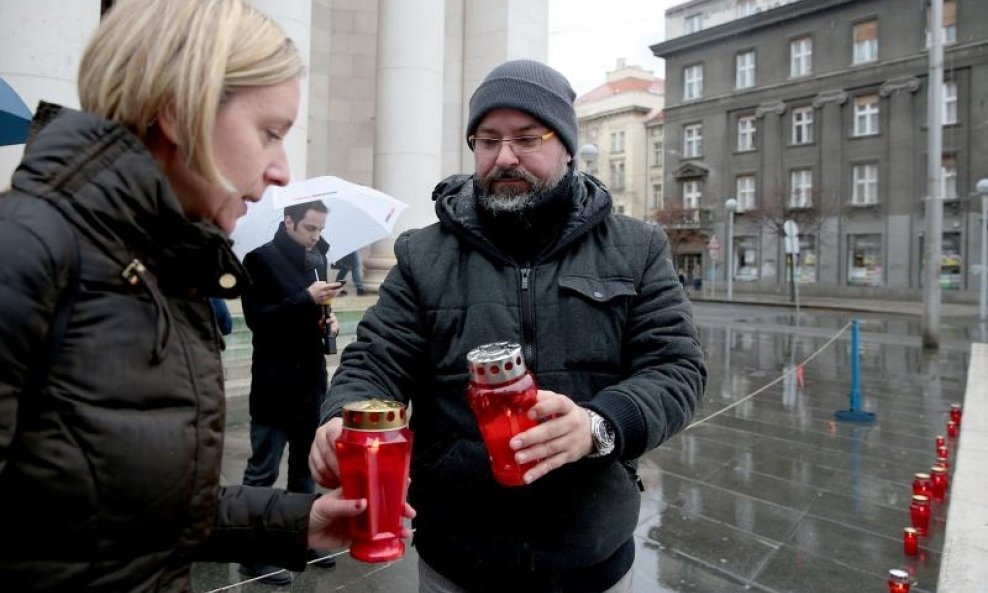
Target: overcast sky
x=586 y=37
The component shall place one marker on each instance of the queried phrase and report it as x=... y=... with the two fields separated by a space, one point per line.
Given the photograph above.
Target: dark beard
x=512 y=201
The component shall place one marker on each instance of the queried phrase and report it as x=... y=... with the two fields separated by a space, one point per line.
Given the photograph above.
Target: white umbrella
x=358 y=215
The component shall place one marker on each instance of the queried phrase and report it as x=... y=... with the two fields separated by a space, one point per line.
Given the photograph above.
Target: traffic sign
x=713 y=248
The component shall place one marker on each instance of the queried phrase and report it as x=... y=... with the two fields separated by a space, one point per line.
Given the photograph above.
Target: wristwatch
x=602 y=433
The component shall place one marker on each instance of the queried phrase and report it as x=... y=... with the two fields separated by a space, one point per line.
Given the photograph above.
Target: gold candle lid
x=911 y=531
x=921 y=499
x=921 y=476
x=375 y=414
x=938 y=469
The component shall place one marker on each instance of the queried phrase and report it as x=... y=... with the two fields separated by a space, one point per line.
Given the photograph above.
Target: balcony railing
x=685 y=218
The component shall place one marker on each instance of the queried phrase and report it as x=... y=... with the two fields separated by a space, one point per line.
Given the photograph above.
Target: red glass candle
x=941 y=442
x=943 y=462
x=899 y=581
x=910 y=541
x=920 y=511
x=500 y=393
x=922 y=485
x=956 y=413
x=952 y=429
x=374 y=451
x=939 y=482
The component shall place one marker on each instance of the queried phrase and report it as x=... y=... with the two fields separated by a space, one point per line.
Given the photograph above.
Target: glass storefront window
x=806 y=262
x=951 y=262
x=746 y=259
x=864 y=260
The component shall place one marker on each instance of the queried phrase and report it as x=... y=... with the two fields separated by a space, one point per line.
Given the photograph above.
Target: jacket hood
x=456 y=208
x=110 y=188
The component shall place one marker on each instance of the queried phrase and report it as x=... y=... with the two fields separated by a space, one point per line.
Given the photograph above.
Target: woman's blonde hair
x=186 y=56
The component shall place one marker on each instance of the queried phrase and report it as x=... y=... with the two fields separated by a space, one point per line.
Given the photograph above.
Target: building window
x=866 y=115
x=617 y=175
x=864 y=260
x=949 y=22
x=746 y=8
x=746 y=259
x=692 y=82
x=693 y=23
x=745 y=186
x=949 y=102
x=693 y=141
x=865 y=191
x=806 y=261
x=657 y=202
x=800 y=57
x=744 y=64
x=657 y=154
x=802 y=125
x=948 y=168
x=801 y=188
x=866 y=41
x=746 y=133
x=617 y=141
x=691 y=194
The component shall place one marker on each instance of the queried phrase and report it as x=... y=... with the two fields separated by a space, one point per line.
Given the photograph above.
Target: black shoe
x=342 y=293
x=275 y=576
x=361 y=292
x=321 y=559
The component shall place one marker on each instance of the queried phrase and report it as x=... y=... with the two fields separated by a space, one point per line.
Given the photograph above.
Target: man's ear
x=168 y=124
x=289 y=225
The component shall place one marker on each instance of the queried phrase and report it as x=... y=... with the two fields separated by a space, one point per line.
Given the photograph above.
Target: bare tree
x=683 y=226
x=809 y=210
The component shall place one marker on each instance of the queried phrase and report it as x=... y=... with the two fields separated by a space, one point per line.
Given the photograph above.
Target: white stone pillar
x=41 y=43
x=295 y=17
x=409 y=115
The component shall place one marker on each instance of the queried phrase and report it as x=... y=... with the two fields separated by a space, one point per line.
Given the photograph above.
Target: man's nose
x=506 y=157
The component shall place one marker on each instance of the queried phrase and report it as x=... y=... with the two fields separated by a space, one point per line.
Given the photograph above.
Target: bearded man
x=526 y=250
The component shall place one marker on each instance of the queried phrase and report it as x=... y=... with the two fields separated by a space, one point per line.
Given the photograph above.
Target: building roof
x=655 y=115
x=623 y=85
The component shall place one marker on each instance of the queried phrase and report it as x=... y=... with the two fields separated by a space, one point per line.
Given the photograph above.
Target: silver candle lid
x=496 y=363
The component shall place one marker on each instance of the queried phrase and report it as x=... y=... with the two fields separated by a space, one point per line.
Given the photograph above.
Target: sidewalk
x=962 y=310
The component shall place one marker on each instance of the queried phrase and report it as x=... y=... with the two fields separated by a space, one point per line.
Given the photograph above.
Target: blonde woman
x=113 y=239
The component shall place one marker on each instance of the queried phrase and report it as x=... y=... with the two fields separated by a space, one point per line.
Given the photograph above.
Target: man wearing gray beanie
x=526 y=250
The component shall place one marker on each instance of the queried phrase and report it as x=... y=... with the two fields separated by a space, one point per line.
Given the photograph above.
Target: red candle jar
x=920 y=511
x=941 y=442
x=922 y=485
x=939 y=482
x=943 y=462
x=899 y=581
x=952 y=429
x=374 y=451
x=500 y=394
x=956 y=413
x=910 y=541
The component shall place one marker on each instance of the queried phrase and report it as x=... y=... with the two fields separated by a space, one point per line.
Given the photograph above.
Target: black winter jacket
x=109 y=470
x=288 y=374
x=602 y=319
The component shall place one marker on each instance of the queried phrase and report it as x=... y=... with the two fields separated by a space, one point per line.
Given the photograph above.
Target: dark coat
x=109 y=472
x=602 y=319
x=288 y=375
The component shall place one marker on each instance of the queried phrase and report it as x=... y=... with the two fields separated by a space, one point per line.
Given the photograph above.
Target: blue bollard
x=854 y=414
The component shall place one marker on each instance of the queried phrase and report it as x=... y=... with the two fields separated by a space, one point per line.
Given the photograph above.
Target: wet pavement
x=772 y=495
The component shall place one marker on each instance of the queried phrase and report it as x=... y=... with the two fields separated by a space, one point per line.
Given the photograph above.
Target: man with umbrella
x=284 y=308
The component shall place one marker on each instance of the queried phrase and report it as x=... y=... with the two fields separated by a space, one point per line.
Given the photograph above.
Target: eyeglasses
x=519 y=145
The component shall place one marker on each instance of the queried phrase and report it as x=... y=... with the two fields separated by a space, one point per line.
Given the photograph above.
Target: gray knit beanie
x=532 y=87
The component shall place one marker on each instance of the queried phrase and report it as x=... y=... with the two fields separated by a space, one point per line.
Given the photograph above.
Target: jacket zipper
x=527 y=318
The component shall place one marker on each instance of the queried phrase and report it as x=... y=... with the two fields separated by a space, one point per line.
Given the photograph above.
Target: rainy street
x=771 y=494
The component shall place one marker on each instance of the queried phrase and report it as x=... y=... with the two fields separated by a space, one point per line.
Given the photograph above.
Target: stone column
x=409 y=116
x=41 y=43
x=772 y=189
x=902 y=196
x=295 y=17
x=829 y=130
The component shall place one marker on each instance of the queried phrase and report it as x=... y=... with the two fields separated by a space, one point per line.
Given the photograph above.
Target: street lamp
x=588 y=154
x=982 y=188
x=730 y=205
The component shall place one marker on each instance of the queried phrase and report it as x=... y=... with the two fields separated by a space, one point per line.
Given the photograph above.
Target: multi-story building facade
x=612 y=120
x=816 y=110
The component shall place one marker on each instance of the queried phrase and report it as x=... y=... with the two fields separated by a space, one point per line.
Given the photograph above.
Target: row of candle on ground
x=925 y=486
